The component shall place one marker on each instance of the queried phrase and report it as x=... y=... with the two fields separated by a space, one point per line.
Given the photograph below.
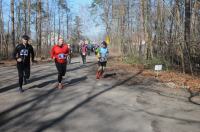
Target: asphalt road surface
x=132 y=104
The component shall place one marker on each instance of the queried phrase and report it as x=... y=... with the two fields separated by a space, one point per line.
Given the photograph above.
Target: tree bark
x=39 y=27
x=187 y=34
x=25 y=16
x=29 y=18
x=13 y=23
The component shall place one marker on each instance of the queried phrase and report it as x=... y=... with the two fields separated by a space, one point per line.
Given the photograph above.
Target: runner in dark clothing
x=22 y=55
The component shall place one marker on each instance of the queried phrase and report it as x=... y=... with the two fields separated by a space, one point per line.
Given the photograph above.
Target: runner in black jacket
x=22 y=55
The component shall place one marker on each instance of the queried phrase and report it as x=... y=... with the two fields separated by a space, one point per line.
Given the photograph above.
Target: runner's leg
x=98 y=70
x=26 y=72
x=61 y=72
x=20 y=69
x=59 y=69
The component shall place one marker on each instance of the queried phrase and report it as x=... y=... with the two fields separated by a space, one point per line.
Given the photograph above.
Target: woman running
x=59 y=54
x=102 y=61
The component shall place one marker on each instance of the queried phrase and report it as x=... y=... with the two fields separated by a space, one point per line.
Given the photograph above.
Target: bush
x=157 y=61
x=148 y=64
x=131 y=59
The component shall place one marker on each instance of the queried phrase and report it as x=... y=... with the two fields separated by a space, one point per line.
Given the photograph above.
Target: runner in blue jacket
x=102 y=61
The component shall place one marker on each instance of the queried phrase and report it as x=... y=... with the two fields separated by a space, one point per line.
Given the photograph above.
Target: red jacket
x=60 y=53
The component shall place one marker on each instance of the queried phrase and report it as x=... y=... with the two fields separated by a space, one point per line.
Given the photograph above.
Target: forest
x=140 y=31
x=154 y=31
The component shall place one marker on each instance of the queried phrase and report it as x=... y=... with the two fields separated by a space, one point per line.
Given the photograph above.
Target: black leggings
x=61 y=67
x=23 y=72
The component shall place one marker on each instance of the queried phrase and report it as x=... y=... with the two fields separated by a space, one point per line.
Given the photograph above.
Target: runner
x=59 y=53
x=22 y=54
x=102 y=54
x=83 y=51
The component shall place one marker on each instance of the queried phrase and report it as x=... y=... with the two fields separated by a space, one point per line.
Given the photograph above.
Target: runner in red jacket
x=59 y=53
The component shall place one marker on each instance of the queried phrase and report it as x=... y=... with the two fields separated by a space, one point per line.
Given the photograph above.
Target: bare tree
x=187 y=33
x=13 y=23
x=39 y=27
x=25 y=16
x=29 y=18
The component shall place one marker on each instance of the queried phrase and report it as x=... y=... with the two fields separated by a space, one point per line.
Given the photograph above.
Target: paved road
x=131 y=104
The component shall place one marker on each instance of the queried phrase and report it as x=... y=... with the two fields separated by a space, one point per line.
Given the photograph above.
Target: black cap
x=104 y=43
x=26 y=37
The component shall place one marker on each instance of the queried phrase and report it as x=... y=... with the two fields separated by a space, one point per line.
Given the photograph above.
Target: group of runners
x=61 y=55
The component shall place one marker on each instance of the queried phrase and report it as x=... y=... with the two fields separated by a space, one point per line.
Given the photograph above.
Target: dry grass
x=179 y=79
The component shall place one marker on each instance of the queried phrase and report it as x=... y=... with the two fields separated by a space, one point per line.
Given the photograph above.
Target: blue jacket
x=103 y=53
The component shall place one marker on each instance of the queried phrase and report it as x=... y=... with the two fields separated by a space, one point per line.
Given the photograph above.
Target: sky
x=81 y=8
x=78 y=8
x=77 y=4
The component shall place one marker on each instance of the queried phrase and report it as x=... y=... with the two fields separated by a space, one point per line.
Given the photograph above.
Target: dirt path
x=121 y=102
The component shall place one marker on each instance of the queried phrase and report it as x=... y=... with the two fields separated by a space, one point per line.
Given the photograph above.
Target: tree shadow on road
x=168 y=116
x=7 y=88
x=80 y=67
x=4 y=118
x=42 y=85
x=50 y=123
x=34 y=103
x=192 y=95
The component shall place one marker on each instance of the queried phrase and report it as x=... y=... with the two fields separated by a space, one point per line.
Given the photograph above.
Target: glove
x=19 y=59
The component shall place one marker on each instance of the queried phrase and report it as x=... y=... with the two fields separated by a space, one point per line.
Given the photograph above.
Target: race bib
x=102 y=59
x=61 y=56
x=24 y=52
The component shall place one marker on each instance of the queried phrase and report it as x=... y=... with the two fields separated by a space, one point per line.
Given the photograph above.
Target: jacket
x=24 y=52
x=60 y=53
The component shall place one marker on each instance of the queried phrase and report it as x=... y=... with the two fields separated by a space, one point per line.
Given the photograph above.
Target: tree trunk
x=19 y=24
x=187 y=34
x=67 y=26
x=54 y=27
x=39 y=27
x=13 y=23
x=59 y=23
x=29 y=17
x=1 y=29
x=25 y=16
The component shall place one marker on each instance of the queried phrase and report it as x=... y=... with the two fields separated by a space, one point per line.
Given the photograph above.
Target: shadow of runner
x=74 y=81
x=7 y=88
x=106 y=75
x=46 y=125
x=41 y=85
x=65 y=83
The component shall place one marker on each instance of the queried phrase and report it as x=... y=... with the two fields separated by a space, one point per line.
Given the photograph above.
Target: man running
x=102 y=53
x=22 y=54
x=59 y=53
